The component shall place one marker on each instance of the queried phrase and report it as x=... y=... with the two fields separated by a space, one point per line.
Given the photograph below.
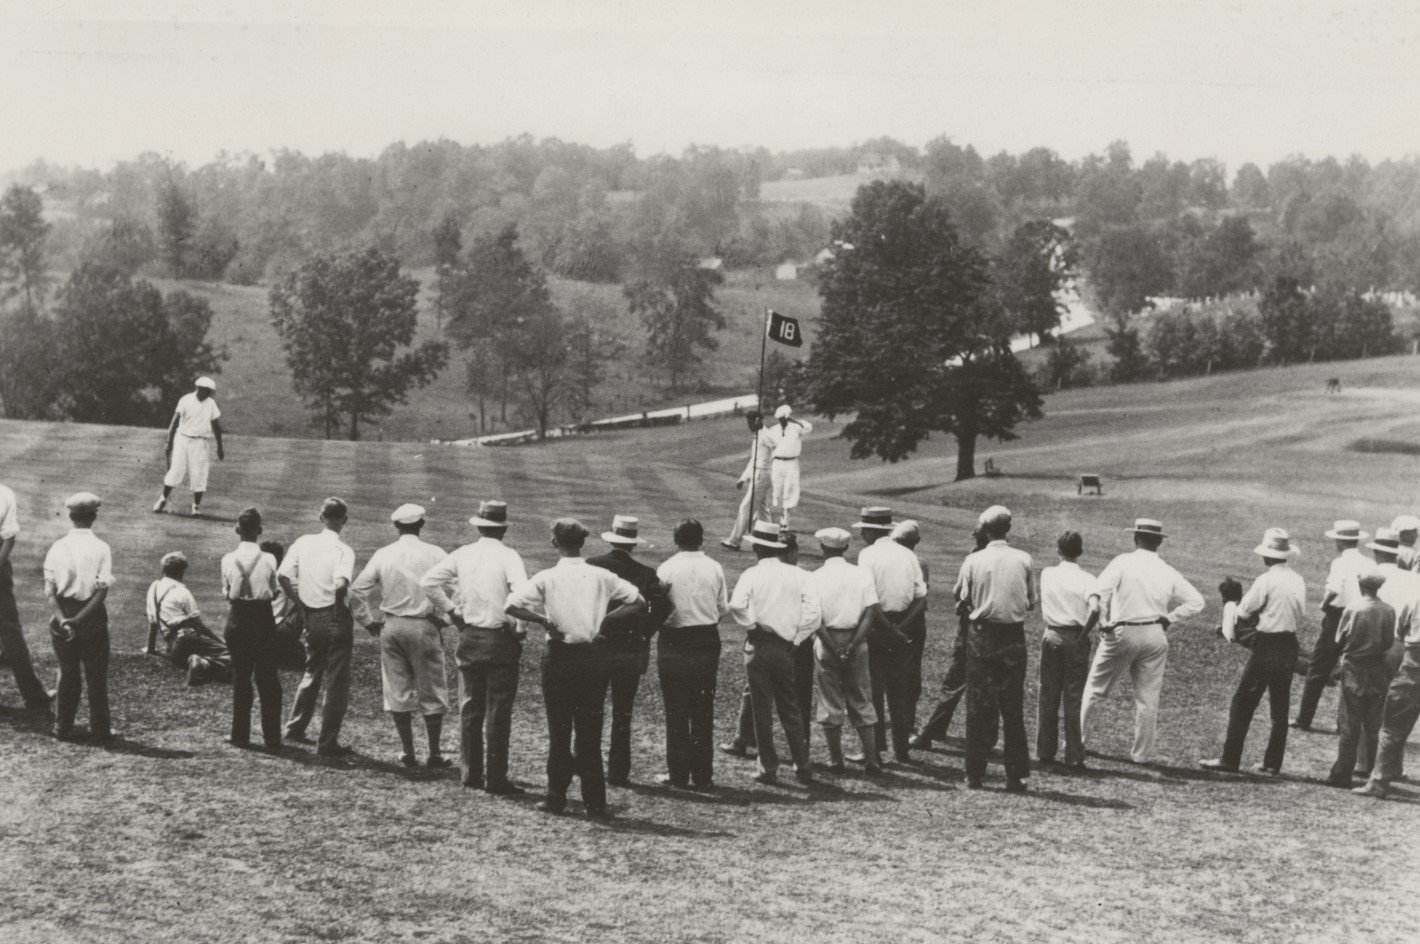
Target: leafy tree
x=591 y=348
x=1286 y=321
x=1127 y=349
x=678 y=310
x=1250 y=188
x=29 y=364
x=448 y=241
x=126 y=244
x=1066 y=366
x=1036 y=262
x=538 y=353
x=905 y=342
x=213 y=249
x=1127 y=265
x=125 y=351
x=22 y=235
x=342 y=318
x=1217 y=262
x=177 y=223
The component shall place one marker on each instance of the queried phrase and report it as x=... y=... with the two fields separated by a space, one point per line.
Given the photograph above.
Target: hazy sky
x=91 y=83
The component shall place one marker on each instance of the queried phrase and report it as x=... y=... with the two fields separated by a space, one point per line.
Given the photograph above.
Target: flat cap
x=783 y=411
x=207 y=382
x=833 y=537
x=408 y=513
x=83 y=501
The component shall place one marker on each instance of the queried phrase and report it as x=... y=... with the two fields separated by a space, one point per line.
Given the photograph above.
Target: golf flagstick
x=758 y=405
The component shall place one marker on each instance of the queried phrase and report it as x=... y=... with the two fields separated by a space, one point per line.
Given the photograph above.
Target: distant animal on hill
x=1333 y=385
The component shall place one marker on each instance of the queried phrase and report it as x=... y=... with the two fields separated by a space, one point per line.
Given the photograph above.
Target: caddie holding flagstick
x=195 y=421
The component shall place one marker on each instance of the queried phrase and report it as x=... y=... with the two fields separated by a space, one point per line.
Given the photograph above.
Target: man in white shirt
x=786 y=436
x=1064 y=652
x=998 y=585
x=389 y=602
x=173 y=612
x=848 y=612
x=250 y=586
x=895 y=649
x=758 y=479
x=688 y=656
x=1341 y=591
x=1131 y=602
x=1407 y=529
x=1274 y=605
x=12 y=635
x=78 y=571
x=954 y=679
x=316 y=573
x=570 y=601
x=773 y=605
x=490 y=648
x=195 y=421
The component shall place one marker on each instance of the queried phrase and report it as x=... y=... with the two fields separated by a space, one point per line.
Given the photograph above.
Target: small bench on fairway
x=1089 y=481
x=991 y=470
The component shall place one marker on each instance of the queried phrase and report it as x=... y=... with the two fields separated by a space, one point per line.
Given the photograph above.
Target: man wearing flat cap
x=1135 y=601
x=12 y=636
x=786 y=436
x=998 y=585
x=316 y=573
x=1342 y=590
x=629 y=647
x=195 y=421
x=1274 y=605
x=1407 y=529
x=490 y=648
x=78 y=571
x=389 y=602
x=573 y=602
x=172 y=611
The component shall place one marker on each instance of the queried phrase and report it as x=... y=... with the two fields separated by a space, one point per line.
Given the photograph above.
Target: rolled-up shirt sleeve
x=364 y=592
x=741 y=610
x=104 y=580
x=435 y=584
x=528 y=595
x=810 y=615
x=1190 y=600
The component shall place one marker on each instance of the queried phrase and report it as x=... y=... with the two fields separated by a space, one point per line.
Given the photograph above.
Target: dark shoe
x=476 y=784
x=974 y=784
x=837 y=767
x=1077 y=765
x=919 y=743
x=1218 y=765
x=769 y=780
x=600 y=812
x=338 y=750
x=1266 y=771
x=108 y=737
x=71 y=736
x=1345 y=783
x=618 y=781
x=735 y=749
x=1294 y=723
x=298 y=736
x=804 y=776
x=274 y=747
x=704 y=786
x=1360 y=774
x=549 y=806
x=1372 y=789
x=728 y=546
x=666 y=781
x=242 y=744
x=1016 y=786
x=505 y=790
x=438 y=761
x=407 y=760
x=857 y=758
x=872 y=770
x=902 y=757
x=44 y=704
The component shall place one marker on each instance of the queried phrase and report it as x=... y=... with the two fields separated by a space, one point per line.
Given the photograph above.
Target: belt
x=785 y=458
x=1150 y=622
x=1065 y=629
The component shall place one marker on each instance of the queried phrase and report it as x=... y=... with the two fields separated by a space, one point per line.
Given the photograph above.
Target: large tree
x=29 y=364
x=677 y=307
x=22 y=234
x=1029 y=271
x=177 y=224
x=342 y=319
x=907 y=344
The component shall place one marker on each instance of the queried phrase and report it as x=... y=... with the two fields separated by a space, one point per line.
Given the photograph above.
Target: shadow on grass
x=32 y=720
x=646 y=827
x=787 y=794
x=123 y=745
x=1076 y=799
x=358 y=761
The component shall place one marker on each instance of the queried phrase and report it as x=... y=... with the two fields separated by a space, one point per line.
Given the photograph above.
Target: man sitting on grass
x=172 y=611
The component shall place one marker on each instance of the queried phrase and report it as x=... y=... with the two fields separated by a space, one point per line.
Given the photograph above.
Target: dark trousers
x=1402 y=708
x=769 y=667
x=745 y=735
x=896 y=672
x=251 y=641
x=1358 y=716
x=12 y=643
x=1268 y=669
x=688 y=659
x=216 y=654
x=953 y=688
x=330 y=642
x=995 y=694
x=574 y=684
x=804 y=683
x=489 y=661
x=1064 y=667
x=626 y=665
x=1325 y=655
x=88 y=653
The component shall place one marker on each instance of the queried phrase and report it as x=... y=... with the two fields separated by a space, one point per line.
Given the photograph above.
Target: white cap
x=408 y=513
x=993 y=514
x=783 y=412
x=833 y=537
x=1405 y=523
x=83 y=501
x=207 y=382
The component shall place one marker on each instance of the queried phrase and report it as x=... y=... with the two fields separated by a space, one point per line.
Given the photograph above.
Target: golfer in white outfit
x=195 y=421
x=787 y=437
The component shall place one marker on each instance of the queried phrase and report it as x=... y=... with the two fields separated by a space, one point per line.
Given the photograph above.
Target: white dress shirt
x=316 y=564
x=195 y=416
x=1277 y=598
x=775 y=595
x=761 y=457
x=262 y=569
x=1065 y=594
x=574 y=595
x=1342 y=580
x=170 y=603
x=788 y=440
x=77 y=565
x=1402 y=591
x=389 y=584
x=998 y=583
x=483 y=573
x=9 y=520
x=843 y=591
x=1140 y=586
x=896 y=572
x=696 y=584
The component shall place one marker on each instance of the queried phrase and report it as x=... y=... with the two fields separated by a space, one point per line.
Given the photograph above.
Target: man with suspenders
x=249 y=584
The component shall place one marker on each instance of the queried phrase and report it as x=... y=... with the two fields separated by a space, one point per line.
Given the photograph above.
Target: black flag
x=784 y=329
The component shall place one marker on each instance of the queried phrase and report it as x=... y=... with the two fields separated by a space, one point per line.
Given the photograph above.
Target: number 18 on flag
x=784 y=329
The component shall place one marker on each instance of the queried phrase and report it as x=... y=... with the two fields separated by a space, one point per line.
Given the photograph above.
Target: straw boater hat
x=623 y=530
x=491 y=514
x=206 y=382
x=1276 y=545
x=875 y=518
x=1347 y=530
x=1405 y=523
x=1387 y=542
x=836 y=538
x=766 y=534
x=408 y=513
x=1148 y=526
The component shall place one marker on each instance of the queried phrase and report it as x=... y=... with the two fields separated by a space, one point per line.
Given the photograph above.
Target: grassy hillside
x=170 y=836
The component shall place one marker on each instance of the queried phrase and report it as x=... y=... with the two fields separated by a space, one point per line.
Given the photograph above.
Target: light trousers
x=191 y=460
x=412 y=666
x=1142 y=652
x=754 y=507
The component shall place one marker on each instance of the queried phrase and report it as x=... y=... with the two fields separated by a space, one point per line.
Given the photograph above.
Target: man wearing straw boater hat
x=772 y=603
x=1342 y=590
x=787 y=436
x=389 y=602
x=758 y=476
x=896 y=647
x=1274 y=605
x=1131 y=604
x=629 y=645
x=195 y=420
x=997 y=583
x=490 y=647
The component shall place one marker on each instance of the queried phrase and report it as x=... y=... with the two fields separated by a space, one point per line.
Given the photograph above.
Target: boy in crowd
x=1365 y=634
x=249 y=583
x=78 y=571
x=173 y=612
x=1064 y=652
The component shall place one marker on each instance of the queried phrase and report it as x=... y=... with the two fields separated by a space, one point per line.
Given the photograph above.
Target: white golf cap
x=83 y=501
x=1405 y=523
x=207 y=382
x=408 y=513
x=833 y=537
x=783 y=412
x=994 y=514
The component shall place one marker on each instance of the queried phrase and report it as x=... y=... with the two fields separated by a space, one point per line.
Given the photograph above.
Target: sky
x=92 y=83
